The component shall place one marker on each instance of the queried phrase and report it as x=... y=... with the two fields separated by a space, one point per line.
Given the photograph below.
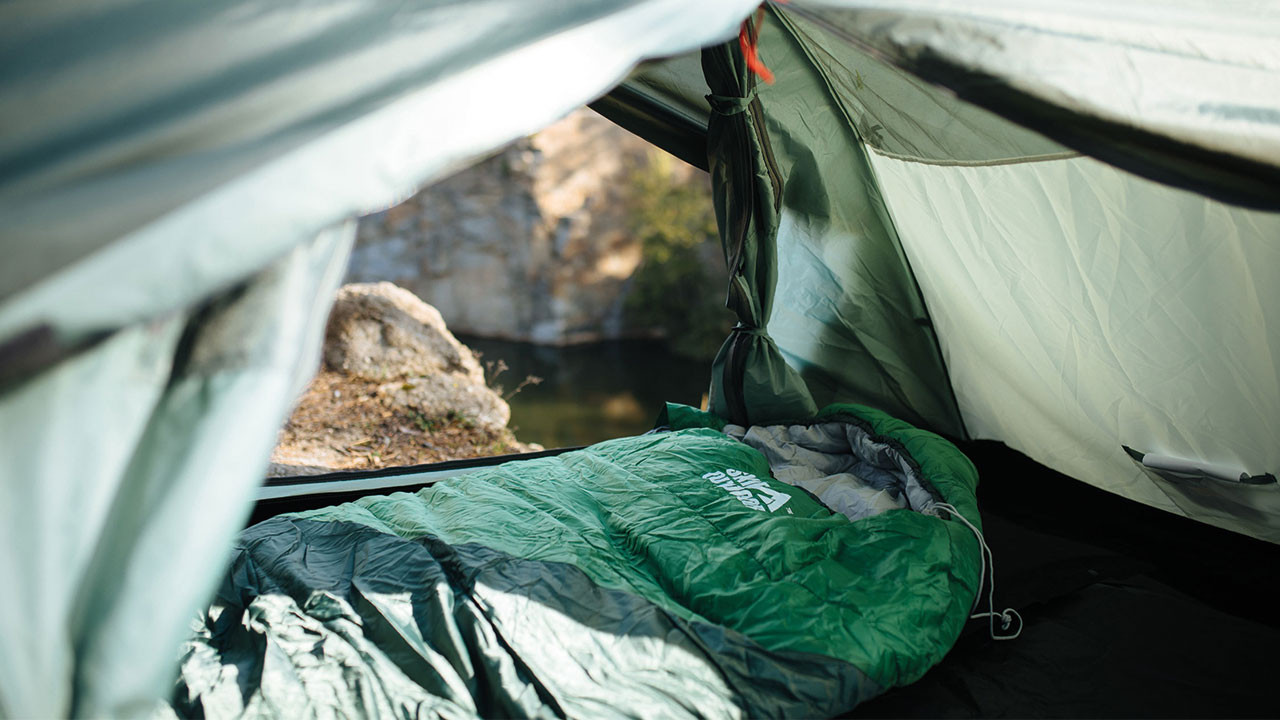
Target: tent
x=1045 y=224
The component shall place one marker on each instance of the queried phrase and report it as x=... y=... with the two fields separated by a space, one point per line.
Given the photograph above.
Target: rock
x=276 y=469
x=532 y=244
x=383 y=333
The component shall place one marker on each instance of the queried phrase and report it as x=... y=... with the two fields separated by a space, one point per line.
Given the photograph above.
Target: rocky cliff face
x=531 y=244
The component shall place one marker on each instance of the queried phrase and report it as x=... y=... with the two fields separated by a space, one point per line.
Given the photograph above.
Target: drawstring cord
x=1008 y=615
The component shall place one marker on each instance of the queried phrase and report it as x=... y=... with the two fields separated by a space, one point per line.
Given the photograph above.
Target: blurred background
x=581 y=268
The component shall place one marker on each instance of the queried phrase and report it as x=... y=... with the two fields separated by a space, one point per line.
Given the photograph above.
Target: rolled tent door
x=751 y=381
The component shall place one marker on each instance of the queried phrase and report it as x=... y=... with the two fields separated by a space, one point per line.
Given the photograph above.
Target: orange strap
x=748 y=40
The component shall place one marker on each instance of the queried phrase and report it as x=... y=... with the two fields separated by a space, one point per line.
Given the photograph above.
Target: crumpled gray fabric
x=842 y=465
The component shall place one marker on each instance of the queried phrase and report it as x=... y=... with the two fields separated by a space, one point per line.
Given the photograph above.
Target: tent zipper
x=735 y=375
x=766 y=151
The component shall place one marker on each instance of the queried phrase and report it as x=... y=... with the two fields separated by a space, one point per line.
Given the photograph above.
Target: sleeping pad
x=702 y=570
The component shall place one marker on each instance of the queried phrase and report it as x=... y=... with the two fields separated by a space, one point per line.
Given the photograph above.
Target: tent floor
x=1129 y=611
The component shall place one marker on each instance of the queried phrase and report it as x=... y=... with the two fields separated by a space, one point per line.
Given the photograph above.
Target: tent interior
x=1046 y=232
x=1130 y=611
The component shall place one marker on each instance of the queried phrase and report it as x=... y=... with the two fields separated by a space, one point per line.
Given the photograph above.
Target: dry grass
x=343 y=423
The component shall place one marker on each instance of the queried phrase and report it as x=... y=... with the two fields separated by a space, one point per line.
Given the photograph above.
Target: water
x=590 y=392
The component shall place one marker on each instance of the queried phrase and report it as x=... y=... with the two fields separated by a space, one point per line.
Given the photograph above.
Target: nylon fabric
x=632 y=574
x=111 y=391
x=246 y=128
x=176 y=181
x=181 y=176
x=1160 y=334
x=849 y=316
x=1186 y=93
x=899 y=114
x=770 y=386
x=177 y=411
x=379 y=625
x=842 y=466
x=750 y=381
x=637 y=515
x=927 y=218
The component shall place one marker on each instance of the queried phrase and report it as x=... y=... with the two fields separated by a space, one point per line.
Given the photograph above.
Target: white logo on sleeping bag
x=749 y=489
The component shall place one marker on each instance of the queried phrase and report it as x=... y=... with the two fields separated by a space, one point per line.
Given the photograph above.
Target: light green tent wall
x=1182 y=92
x=1096 y=311
x=1080 y=308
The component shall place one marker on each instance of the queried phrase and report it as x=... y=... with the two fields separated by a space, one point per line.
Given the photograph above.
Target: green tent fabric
x=1180 y=92
x=993 y=280
x=128 y=468
x=667 y=574
x=750 y=380
x=849 y=313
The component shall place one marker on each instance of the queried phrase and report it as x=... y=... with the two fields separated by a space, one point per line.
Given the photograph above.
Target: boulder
x=383 y=333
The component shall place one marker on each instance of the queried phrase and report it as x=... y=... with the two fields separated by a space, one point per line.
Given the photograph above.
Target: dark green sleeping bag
x=669 y=574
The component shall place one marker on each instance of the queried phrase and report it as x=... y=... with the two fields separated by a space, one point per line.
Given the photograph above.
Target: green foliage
x=680 y=285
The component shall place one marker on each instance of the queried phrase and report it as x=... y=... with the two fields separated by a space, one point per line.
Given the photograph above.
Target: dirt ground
x=343 y=423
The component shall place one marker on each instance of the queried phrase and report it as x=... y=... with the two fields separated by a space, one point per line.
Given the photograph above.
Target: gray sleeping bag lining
x=843 y=465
